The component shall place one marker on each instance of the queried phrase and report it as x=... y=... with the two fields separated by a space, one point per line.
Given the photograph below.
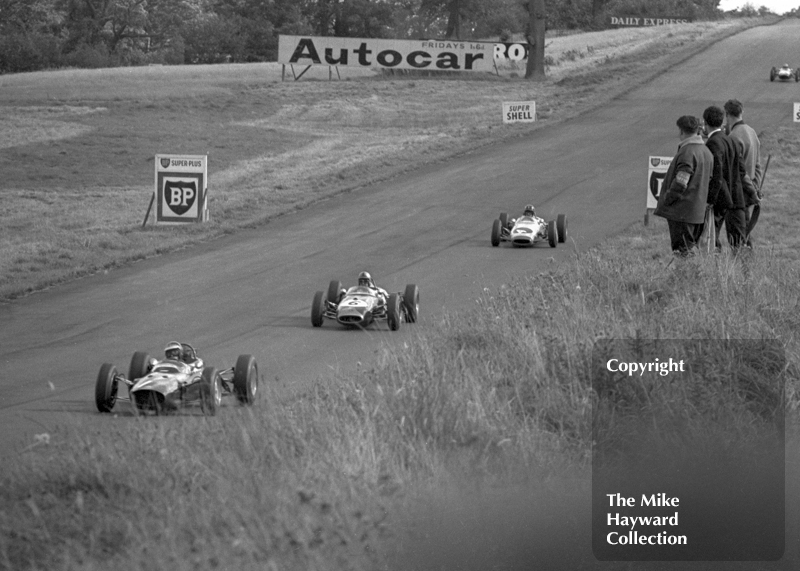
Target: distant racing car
x=529 y=229
x=359 y=306
x=784 y=73
x=170 y=384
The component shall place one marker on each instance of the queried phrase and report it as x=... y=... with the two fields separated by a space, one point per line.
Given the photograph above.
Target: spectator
x=749 y=147
x=685 y=190
x=729 y=181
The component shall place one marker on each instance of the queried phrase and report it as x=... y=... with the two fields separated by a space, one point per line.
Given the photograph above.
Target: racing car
x=161 y=386
x=359 y=306
x=529 y=230
x=784 y=73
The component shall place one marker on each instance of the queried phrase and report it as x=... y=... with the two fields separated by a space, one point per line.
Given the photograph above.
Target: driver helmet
x=364 y=279
x=173 y=351
x=786 y=65
x=529 y=210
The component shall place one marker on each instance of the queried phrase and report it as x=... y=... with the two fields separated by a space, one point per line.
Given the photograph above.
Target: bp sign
x=181 y=188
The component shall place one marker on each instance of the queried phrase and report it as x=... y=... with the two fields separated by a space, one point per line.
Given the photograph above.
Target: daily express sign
x=387 y=54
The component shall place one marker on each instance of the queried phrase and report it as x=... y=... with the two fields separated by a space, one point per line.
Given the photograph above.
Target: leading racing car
x=170 y=384
x=529 y=229
x=361 y=305
x=784 y=73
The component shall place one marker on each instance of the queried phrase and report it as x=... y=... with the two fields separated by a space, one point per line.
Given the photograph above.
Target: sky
x=777 y=6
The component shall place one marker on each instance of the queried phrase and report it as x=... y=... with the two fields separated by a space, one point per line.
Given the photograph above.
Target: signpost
x=519 y=111
x=181 y=192
x=656 y=171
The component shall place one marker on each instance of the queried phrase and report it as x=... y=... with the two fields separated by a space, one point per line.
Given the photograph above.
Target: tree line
x=46 y=34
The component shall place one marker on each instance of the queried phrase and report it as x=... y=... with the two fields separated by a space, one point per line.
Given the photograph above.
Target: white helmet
x=364 y=279
x=169 y=350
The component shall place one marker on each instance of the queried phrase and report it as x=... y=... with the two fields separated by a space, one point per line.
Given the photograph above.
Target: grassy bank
x=77 y=161
x=468 y=449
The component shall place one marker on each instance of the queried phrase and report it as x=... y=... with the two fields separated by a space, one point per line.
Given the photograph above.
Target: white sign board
x=448 y=55
x=656 y=171
x=181 y=188
x=796 y=113
x=519 y=111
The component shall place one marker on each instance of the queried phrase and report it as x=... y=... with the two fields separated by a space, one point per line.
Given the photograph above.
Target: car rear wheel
x=318 y=309
x=411 y=302
x=105 y=389
x=552 y=233
x=210 y=391
x=561 y=226
x=393 y=312
x=140 y=365
x=245 y=379
x=496 y=231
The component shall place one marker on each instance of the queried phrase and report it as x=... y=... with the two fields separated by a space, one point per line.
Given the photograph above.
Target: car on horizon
x=784 y=73
x=359 y=306
x=529 y=230
x=170 y=384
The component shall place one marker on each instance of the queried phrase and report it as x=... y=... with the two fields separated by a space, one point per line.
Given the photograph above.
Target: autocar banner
x=437 y=55
x=181 y=188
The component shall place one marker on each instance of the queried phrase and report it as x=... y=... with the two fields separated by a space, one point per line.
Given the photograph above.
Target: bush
x=87 y=56
x=28 y=52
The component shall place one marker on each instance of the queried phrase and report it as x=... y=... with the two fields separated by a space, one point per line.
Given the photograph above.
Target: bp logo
x=180 y=195
x=655 y=161
x=164 y=162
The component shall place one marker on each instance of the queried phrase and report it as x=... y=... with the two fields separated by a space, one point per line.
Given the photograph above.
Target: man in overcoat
x=749 y=147
x=685 y=189
x=730 y=184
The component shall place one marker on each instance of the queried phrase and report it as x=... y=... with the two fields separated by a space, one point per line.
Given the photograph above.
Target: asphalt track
x=251 y=293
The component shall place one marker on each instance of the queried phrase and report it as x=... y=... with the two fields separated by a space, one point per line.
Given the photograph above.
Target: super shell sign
x=181 y=188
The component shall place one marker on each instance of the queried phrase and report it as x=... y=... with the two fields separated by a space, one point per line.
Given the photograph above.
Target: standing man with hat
x=685 y=190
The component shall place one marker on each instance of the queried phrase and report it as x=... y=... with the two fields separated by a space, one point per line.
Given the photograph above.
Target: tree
x=536 y=29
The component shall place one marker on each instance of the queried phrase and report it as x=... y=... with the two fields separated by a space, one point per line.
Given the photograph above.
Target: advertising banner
x=438 y=55
x=519 y=111
x=641 y=21
x=656 y=171
x=796 y=113
x=181 y=188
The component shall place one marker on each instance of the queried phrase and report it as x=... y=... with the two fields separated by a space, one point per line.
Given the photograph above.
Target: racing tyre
x=561 y=226
x=210 y=391
x=105 y=390
x=552 y=233
x=411 y=303
x=318 y=310
x=496 y=231
x=797 y=75
x=140 y=365
x=334 y=291
x=772 y=74
x=245 y=379
x=393 y=312
x=504 y=219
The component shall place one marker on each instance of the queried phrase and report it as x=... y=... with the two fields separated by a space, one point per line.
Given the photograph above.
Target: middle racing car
x=529 y=229
x=360 y=305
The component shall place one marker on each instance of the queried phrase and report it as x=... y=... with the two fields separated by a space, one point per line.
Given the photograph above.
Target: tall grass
x=500 y=395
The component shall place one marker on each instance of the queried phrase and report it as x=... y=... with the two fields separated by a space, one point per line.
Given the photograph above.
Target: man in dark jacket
x=685 y=189
x=730 y=184
x=745 y=139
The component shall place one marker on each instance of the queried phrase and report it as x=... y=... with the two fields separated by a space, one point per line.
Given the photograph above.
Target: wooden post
x=149 y=206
